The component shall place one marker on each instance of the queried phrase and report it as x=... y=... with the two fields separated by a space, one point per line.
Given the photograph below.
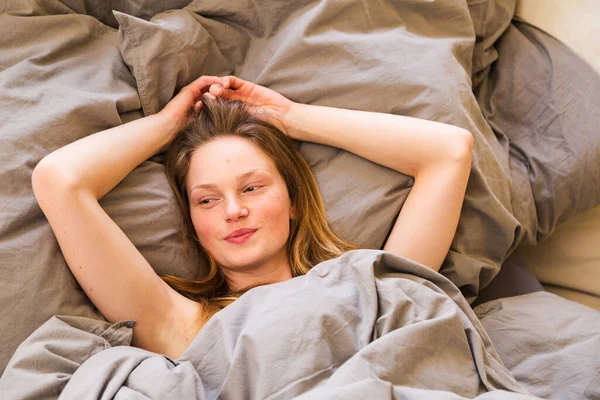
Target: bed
x=387 y=327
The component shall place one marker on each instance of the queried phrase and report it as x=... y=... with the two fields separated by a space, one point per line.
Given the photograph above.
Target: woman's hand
x=177 y=111
x=264 y=103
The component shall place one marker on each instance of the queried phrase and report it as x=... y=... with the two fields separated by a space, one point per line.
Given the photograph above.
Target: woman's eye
x=209 y=201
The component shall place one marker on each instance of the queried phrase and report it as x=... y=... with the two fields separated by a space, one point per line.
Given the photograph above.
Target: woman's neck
x=272 y=271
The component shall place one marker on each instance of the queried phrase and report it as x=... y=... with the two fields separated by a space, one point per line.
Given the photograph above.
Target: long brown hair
x=310 y=240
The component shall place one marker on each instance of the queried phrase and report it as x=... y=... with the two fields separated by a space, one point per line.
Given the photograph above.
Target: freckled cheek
x=274 y=211
x=205 y=228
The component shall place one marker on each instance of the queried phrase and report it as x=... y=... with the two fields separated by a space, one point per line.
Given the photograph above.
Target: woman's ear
x=293 y=212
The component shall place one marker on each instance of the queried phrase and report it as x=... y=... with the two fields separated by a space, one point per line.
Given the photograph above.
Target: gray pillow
x=543 y=103
x=403 y=58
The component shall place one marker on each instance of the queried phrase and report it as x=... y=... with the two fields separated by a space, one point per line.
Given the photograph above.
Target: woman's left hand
x=177 y=111
x=262 y=102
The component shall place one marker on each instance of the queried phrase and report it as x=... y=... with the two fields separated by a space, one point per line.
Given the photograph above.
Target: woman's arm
x=97 y=163
x=113 y=273
x=404 y=144
x=437 y=155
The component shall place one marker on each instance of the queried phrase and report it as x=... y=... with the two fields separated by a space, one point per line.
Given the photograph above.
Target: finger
x=206 y=80
x=196 y=86
x=228 y=94
x=209 y=95
x=216 y=90
x=234 y=82
x=225 y=82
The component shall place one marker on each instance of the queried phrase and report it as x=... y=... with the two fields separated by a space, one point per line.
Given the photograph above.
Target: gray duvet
x=367 y=324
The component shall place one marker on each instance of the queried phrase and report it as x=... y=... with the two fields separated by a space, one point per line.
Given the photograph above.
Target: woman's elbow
x=47 y=178
x=461 y=148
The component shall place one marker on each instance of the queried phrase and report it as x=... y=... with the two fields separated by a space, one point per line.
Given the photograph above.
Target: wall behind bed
x=573 y=22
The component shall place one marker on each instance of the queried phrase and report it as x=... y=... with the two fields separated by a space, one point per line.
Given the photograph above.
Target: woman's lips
x=241 y=239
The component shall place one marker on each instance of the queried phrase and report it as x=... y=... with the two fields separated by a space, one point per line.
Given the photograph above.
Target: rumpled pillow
x=543 y=102
x=163 y=56
x=62 y=79
x=402 y=58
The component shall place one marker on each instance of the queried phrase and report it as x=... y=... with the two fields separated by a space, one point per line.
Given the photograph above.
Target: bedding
x=354 y=312
x=514 y=279
x=541 y=352
x=540 y=108
x=62 y=78
x=68 y=75
x=521 y=104
x=567 y=262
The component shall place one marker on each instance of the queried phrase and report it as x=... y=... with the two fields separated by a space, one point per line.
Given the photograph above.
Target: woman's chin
x=243 y=263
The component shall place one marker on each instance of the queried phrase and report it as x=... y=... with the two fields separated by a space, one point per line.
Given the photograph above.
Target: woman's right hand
x=177 y=110
x=264 y=103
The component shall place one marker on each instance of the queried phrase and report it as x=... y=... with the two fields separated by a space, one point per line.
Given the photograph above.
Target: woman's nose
x=235 y=209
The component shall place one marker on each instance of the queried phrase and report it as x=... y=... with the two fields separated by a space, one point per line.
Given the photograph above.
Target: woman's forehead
x=229 y=150
x=225 y=160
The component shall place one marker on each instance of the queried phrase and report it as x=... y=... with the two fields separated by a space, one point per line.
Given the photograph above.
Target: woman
x=247 y=196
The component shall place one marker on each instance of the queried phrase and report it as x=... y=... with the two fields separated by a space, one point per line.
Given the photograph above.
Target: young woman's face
x=233 y=185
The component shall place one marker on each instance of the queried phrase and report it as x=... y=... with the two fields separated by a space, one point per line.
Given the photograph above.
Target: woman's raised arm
x=437 y=155
x=120 y=282
x=404 y=144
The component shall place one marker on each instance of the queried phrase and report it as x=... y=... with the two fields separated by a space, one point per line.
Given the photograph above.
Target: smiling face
x=233 y=185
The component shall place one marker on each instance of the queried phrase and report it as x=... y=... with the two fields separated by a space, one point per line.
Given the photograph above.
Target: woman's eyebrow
x=239 y=177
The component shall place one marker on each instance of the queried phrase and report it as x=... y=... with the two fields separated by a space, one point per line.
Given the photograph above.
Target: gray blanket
x=368 y=324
